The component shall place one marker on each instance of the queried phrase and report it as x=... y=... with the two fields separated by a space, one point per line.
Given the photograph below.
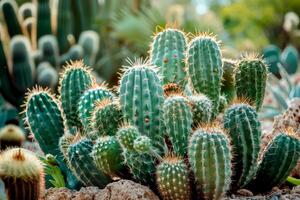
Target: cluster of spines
x=201 y=108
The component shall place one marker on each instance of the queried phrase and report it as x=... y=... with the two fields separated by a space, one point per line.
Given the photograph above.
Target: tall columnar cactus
x=43 y=20
x=243 y=127
x=46 y=75
x=22 y=173
x=22 y=63
x=210 y=159
x=141 y=165
x=168 y=53
x=90 y=41
x=73 y=82
x=26 y=11
x=86 y=104
x=172 y=178
x=201 y=108
x=228 y=79
x=251 y=77
x=43 y=117
x=178 y=118
x=49 y=49
x=11 y=136
x=82 y=164
x=278 y=160
x=106 y=117
x=107 y=155
x=141 y=99
x=204 y=63
x=10 y=16
x=64 y=25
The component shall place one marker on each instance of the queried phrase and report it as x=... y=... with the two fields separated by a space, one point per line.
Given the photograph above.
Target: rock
x=244 y=192
x=120 y=190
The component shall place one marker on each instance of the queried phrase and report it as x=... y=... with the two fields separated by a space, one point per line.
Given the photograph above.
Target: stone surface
x=120 y=190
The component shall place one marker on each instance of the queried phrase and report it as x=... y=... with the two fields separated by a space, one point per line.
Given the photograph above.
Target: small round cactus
x=201 y=108
x=126 y=136
x=142 y=144
x=11 y=136
x=172 y=178
x=22 y=173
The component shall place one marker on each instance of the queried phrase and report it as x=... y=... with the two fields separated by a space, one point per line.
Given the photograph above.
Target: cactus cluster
x=155 y=132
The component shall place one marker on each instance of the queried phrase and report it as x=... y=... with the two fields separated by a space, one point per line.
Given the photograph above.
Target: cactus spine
x=277 y=162
x=106 y=117
x=251 y=77
x=82 y=164
x=201 y=108
x=168 y=53
x=210 y=159
x=11 y=136
x=243 y=127
x=205 y=67
x=178 y=120
x=141 y=99
x=22 y=173
x=74 y=81
x=172 y=178
x=43 y=23
x=126 y=136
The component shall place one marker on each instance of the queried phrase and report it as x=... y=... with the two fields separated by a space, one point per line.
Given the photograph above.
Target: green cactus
x=43 y=19
x=3 y=195
x=74 y=81
x=11 y=136
x=201 y=108
x=228 y=81
x=106 y=117
x=172 y=178
x=26 y=11
x=251 y=77
x=65 y=141
x=178 y=118
x=46 y=75
x=90 y=41
x=86 y=104
x=74 y=53
x=141 y=99
x=10 y=16
x=242 y=124
x=107 y=155
x=126 y=136
x=210 y=159
x=278 y=160
x=23 y=174
x=82 y=164
x=223 y=103
x=271 y=55
x=49 y=50
x=28 y=25
x=204 y=63
x=22 y=63
x=290 y=59
x=64 y=25
x=168 y=53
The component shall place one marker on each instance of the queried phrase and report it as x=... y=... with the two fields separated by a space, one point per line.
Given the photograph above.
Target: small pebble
x=244 y=192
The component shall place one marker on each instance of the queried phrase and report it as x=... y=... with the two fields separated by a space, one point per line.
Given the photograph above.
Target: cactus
x=278 y=160
x=26 y=11
x=172 y=88
x=106 y=117
x=82 y=164
x=65 y=141
x=168 y=53
x=49 y=50
x=290 y=59
x=241 y=122
x=89 y=40
x=86 y=104
x=251 y=77
x=73 y=82
x=210 y=159
x=178 y=119
x=22 y=173
x=126 y=136
x=74 y=53
x=10 y=17
x=228 y=81
x=22 y=63
x=3 y=195
x=271 y=55
x=43 y=20
x=64 y=25
x=107 y=155
x=46 y=75
x=172 y=178
x=29 y=28
x=205 y=68
x=201 y=108
x=223 y=103
x=141 y=99
x=11 y=136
